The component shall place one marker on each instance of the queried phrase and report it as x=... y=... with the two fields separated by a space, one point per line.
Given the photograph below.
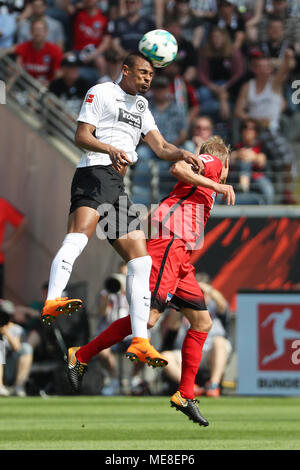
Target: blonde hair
x=209 y=50
x=216 y=146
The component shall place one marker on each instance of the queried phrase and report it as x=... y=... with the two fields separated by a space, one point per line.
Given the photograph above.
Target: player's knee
x=140 y=266
x=201 y=323
x=78 y=240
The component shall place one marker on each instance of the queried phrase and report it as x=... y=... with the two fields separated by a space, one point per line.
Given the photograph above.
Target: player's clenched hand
x=228 y=193
x=118 y=158
x=190 y=158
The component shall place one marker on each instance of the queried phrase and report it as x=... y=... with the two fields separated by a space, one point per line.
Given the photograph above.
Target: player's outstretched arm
x=170 y=152
x=184 y=172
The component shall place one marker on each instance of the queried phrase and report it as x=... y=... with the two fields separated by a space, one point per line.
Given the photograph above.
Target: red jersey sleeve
x=212 y=167
x=12 y=215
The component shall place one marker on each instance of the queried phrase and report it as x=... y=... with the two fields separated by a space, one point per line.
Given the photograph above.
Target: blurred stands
x=218 y=42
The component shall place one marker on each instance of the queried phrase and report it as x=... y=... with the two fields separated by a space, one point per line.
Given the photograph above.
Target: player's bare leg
x=132 y=248
x=81 y=226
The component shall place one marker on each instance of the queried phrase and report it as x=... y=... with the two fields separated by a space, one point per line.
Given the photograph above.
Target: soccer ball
x=159 y=46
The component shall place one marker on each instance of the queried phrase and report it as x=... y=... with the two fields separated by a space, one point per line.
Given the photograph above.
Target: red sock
x=191 y=357
x=117 y=331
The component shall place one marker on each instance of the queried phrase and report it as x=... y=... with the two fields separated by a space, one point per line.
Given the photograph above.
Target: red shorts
x=173 y=276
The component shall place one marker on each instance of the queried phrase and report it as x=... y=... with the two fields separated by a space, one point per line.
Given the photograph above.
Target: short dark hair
x=38 y=20
x=275 y=19
x=245 y=123
x=131 y=59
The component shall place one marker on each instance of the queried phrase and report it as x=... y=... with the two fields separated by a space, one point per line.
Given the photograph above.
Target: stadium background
x=251 y=247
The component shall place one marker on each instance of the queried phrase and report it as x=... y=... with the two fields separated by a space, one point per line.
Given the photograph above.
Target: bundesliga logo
x=279 y=337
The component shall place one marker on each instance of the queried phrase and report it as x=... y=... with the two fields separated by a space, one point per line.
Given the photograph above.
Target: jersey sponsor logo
x=89 y=98
x=132 y=119
x=140 y=106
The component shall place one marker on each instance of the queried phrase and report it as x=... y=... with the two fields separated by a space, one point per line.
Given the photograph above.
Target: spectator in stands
x=169 y=117
x=149 y=8
x=40 y=59
x=18 y=354
x=90 y=38
x=20 y=9
x=206 y=9
x=251 y=11
x=291 y=24
x=9 y=215
x=182 y=91
x=217 y=347
x=29 y=317
x=70 y=87
x=261 y=98
x=112 y=68
x=275 y=44
x=129 y=29
x=55 y=33
x=203 y=10
x=249 y=165
x=201 y=129
x=229 y=18
x=221 y=67
x=192 y=26
x=8 y=26
x=89 y=29
x=186 y=56
x=112 y=305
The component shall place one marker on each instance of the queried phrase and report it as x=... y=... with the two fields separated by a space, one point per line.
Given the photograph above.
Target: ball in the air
x=159 y=46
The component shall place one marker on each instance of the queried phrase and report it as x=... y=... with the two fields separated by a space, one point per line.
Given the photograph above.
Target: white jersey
x=120 y=120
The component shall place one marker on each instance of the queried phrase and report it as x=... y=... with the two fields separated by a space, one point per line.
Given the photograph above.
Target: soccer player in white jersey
x=111 y=122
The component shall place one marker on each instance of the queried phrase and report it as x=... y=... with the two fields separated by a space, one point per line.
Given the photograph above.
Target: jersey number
x=206 y=158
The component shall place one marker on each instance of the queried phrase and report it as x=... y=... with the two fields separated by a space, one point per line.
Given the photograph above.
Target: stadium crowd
x=235 y=68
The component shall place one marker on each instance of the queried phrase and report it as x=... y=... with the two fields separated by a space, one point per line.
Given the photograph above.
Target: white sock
x=138 y=294
x=62 y=265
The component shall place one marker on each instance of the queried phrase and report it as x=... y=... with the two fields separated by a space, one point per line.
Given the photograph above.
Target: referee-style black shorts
x=102 y=188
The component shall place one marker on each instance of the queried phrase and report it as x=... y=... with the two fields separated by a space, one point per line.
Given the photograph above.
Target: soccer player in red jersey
x=9 y=214
x=179 y=222
x=40 y=59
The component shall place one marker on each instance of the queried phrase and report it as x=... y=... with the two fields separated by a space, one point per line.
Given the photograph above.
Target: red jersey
x=40 y=63
x=88 y=29
x=8 y=214
x=185 y=211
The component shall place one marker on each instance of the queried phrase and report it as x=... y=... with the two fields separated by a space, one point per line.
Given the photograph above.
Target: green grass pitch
x=147 y=423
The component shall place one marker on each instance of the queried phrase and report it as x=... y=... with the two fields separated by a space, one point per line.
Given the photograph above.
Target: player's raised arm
x=170 y=152
x=184 y=172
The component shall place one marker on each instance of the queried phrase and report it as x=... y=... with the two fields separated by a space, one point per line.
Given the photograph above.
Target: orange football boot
x=212 y=390
x=53 y=308
x=198 y=391
x=141 y=350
